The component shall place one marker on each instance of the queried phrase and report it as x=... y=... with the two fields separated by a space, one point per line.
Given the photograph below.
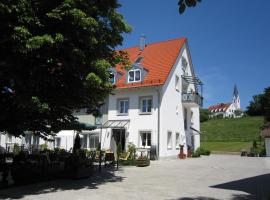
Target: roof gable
x=158 y=60
x=220 y=107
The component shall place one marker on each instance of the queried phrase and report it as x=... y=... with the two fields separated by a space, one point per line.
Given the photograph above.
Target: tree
x=255 y=107
x=204 y=115
x=183 y=4
x=77 y=143
x=266 y=104
x=54 y=58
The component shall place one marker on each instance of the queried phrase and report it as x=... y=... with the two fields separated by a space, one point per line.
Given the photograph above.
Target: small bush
x=196 y=154
x=202 y=151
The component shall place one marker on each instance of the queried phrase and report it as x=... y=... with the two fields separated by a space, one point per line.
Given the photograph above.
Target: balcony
x=192 y=99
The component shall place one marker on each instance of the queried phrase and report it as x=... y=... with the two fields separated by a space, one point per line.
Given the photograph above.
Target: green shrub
x=196 y=154
x=202 y=151
x=132 y=150
x=43 y=147
x=16 y=149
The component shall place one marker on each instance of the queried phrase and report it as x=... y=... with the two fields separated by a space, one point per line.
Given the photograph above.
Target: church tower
x=236 y=98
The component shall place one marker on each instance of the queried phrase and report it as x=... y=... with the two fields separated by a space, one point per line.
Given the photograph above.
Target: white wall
x=138 y=122
x=4 y=140
x=172 y=109
x=230 y=111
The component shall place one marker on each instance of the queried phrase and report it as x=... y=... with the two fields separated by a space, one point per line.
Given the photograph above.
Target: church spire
x=235 y=91
x=236 y=98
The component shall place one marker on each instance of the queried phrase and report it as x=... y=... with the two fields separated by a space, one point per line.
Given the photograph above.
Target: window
x=134 y=75
x=145 y=105
x=93 y=141
x=9 y=138
x=177 y=140
x=169 y=140
x=145 y=139
x=84 y=141
x=185 y=119
x=35 y=141
x=58 y=142
x=123 y=106
x=112 y=78
x=177 y=83
x=98 y=120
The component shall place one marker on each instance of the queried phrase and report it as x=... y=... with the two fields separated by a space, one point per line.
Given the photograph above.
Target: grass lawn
x=244 y=129
x=226 y=146
x=230 y=135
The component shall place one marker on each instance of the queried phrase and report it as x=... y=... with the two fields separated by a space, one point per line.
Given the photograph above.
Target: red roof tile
x=222 y=106
x=158 y=59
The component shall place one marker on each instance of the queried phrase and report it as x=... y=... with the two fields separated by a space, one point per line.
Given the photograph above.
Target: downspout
x=158 y=123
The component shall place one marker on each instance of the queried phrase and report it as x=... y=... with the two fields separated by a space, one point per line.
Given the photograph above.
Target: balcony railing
x=192 y=98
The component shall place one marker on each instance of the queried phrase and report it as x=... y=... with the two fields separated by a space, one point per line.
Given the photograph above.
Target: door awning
x=115 y=124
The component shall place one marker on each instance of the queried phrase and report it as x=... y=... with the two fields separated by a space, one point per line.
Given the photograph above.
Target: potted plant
x=143 y=161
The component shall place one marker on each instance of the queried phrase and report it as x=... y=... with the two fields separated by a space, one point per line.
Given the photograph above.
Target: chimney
x=142 y=42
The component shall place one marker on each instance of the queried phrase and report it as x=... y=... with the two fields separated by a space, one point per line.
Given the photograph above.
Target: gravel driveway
x=213 y=177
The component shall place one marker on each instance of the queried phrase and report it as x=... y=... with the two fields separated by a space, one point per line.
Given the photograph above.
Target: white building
x=227 y=109
x=155 y=103
x=29 y=142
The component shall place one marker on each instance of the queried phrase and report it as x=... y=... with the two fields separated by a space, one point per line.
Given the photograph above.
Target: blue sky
x=229 y=41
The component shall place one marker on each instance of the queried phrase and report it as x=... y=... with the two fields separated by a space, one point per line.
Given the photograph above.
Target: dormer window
x=112 y=78
x=134 y=75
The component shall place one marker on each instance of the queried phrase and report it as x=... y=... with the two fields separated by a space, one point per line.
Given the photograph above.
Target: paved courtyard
x=213 y=177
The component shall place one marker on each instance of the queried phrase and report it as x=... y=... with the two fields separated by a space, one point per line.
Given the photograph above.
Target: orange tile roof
x=158 y=59
x=222 y=106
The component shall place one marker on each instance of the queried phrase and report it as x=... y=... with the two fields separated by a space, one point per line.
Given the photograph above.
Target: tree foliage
x=266 y=104
x=77 y=143
x=204 y=115
x=260 y=105
x=183 y=4
x=54 y=58
x=255 y=107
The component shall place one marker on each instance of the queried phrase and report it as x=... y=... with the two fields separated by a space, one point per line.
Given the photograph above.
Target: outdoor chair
x=109 y=157
x=126 y=157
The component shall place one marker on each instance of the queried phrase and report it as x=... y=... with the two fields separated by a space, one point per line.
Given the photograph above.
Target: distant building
x=227 y=109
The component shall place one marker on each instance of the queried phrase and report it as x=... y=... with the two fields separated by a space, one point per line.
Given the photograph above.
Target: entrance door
x=118 y=136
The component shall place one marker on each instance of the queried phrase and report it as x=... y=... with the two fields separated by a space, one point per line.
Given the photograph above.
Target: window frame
x=113 y=78
x=134 y=75
x=185 y=119
x=57 y=140
x=177 y=83
x=119 y=107
x=147 y=106
x=147 y=133
x=93 y=136
x=177 y=141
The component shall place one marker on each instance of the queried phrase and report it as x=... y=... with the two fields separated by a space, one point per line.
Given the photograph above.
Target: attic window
x=134 y=75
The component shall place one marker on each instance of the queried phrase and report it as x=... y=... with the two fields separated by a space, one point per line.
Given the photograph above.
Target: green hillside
x=230 y=134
